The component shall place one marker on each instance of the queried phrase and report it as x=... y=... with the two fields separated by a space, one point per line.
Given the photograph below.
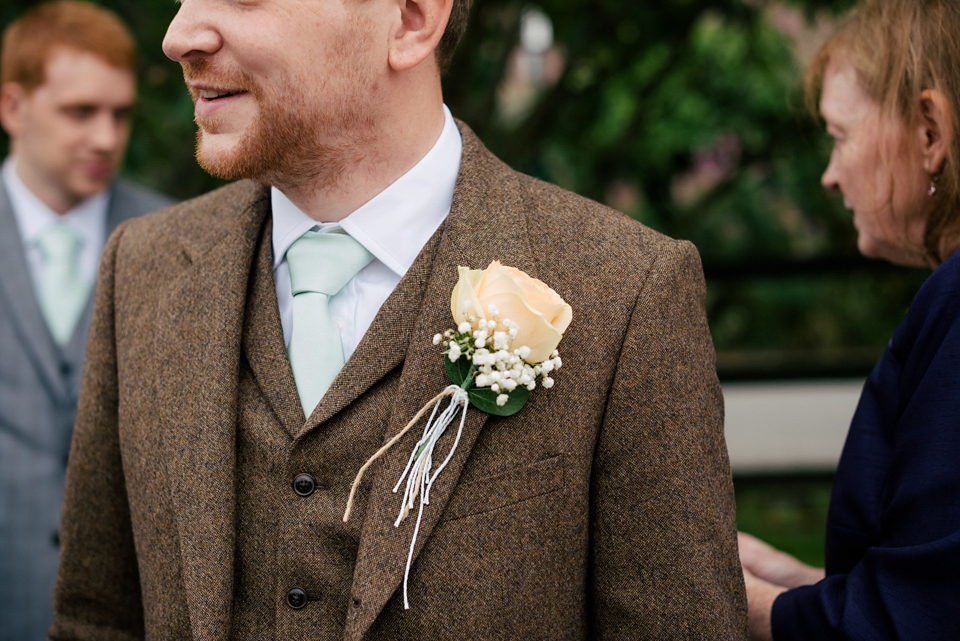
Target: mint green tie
x=320 y=265
x=63 y=292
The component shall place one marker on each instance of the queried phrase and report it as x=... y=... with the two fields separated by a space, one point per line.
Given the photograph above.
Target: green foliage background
x=652 y=97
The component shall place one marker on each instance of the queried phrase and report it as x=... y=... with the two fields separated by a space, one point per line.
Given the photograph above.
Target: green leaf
x=459 y=371
x=486 y=401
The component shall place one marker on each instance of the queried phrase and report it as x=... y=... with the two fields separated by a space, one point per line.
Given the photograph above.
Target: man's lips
x=209 y=99
x=98 y=169
x=217 y=94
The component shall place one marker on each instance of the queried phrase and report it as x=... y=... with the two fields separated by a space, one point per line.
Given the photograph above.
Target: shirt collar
x=88 y=218
x=396 y=223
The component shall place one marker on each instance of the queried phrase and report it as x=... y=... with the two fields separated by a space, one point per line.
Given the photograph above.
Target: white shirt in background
x=88 y=219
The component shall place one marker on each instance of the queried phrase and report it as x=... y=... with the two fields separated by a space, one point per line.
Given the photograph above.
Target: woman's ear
x=419 y=30
x=936 y=129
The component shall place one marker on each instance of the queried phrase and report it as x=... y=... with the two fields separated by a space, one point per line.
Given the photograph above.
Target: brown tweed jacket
x=603 y=509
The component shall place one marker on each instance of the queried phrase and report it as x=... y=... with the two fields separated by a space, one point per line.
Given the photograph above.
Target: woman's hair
x=898 y=49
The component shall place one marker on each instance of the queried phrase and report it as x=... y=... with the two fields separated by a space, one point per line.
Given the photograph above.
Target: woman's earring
x=932 y=189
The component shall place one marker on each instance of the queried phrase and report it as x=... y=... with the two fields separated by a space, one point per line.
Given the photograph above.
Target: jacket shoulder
x=571 y=232
x=561 y=221
x=199 y=220
x=135 y=200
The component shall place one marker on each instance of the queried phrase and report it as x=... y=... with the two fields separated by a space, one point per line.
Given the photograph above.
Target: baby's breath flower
x=502 y=399
x=454 y=353
x=547 y=382
x=524 y=352
x=437 y=338
x=464 y=327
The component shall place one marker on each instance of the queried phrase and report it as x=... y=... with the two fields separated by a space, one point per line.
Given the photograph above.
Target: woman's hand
x=767 y=572
x=773 y=566
x=760 y=597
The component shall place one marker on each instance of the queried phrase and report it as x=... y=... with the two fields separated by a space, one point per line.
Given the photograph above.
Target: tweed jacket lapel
x=16 y=290
x=197 y=351
x=263 y=341
x=485 y=223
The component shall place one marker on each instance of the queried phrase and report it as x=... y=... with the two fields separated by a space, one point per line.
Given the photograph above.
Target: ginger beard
x=298 y=136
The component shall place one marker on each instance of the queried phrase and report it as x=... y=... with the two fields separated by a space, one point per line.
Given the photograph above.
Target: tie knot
x=324 y=263
x=59 y=243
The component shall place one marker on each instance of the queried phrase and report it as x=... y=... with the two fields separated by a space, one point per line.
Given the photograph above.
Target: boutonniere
x=508 y=326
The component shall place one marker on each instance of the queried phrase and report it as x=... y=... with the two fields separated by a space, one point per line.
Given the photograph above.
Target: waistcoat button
x=304 y=485
x=296 y=598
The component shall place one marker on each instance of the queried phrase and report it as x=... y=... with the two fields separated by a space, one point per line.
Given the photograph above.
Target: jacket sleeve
x=97 y=594
x=893 y=543
x=663 y=537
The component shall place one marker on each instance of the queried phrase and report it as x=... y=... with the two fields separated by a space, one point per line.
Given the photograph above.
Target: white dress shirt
x=393 y=226
x=88 y=219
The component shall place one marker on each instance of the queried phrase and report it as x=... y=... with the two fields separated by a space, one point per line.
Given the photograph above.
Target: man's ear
x=419 y=29
x=936 y=129
x=12 y=97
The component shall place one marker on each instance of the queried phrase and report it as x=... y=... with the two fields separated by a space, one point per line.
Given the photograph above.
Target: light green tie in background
x=320 y=265
x=63 y=292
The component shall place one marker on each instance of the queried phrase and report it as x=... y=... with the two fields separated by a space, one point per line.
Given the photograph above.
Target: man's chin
x=225 y=161
x=80 y=190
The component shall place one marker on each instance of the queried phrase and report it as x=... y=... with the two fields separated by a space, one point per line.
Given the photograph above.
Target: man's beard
x=286 y=147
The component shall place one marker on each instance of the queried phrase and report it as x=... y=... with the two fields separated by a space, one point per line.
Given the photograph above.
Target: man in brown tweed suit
x=204 y=503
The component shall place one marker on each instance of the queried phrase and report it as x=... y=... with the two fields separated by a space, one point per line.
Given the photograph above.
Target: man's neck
x=401 y=147
x=54 y=198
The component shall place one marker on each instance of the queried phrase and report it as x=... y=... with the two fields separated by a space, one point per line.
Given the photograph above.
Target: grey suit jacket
x=39 y=386
x=603 y=509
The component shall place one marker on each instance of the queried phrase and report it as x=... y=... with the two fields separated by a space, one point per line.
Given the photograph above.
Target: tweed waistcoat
x=286 y=540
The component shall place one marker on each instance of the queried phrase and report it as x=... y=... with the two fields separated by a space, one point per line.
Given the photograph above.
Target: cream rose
x=539 y=312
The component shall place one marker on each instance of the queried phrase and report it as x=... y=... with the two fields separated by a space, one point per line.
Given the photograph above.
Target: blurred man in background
x=67 y=72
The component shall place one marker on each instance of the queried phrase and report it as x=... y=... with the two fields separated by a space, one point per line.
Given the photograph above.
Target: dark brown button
x=296 y=598
x=304 y=485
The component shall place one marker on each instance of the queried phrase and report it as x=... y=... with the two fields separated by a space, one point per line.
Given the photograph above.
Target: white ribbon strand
x=418 y=470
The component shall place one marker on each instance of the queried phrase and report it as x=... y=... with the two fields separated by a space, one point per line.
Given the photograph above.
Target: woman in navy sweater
x=888 y=83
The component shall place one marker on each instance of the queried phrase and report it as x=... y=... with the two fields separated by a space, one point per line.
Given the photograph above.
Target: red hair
x=81 y=26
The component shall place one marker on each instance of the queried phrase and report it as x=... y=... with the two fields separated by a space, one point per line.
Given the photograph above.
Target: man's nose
x=192 y=32
x=108 y=133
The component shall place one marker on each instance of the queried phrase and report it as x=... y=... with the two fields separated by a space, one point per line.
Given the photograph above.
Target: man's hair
x=898 y=49
x=456 y=26
x=29 y=41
